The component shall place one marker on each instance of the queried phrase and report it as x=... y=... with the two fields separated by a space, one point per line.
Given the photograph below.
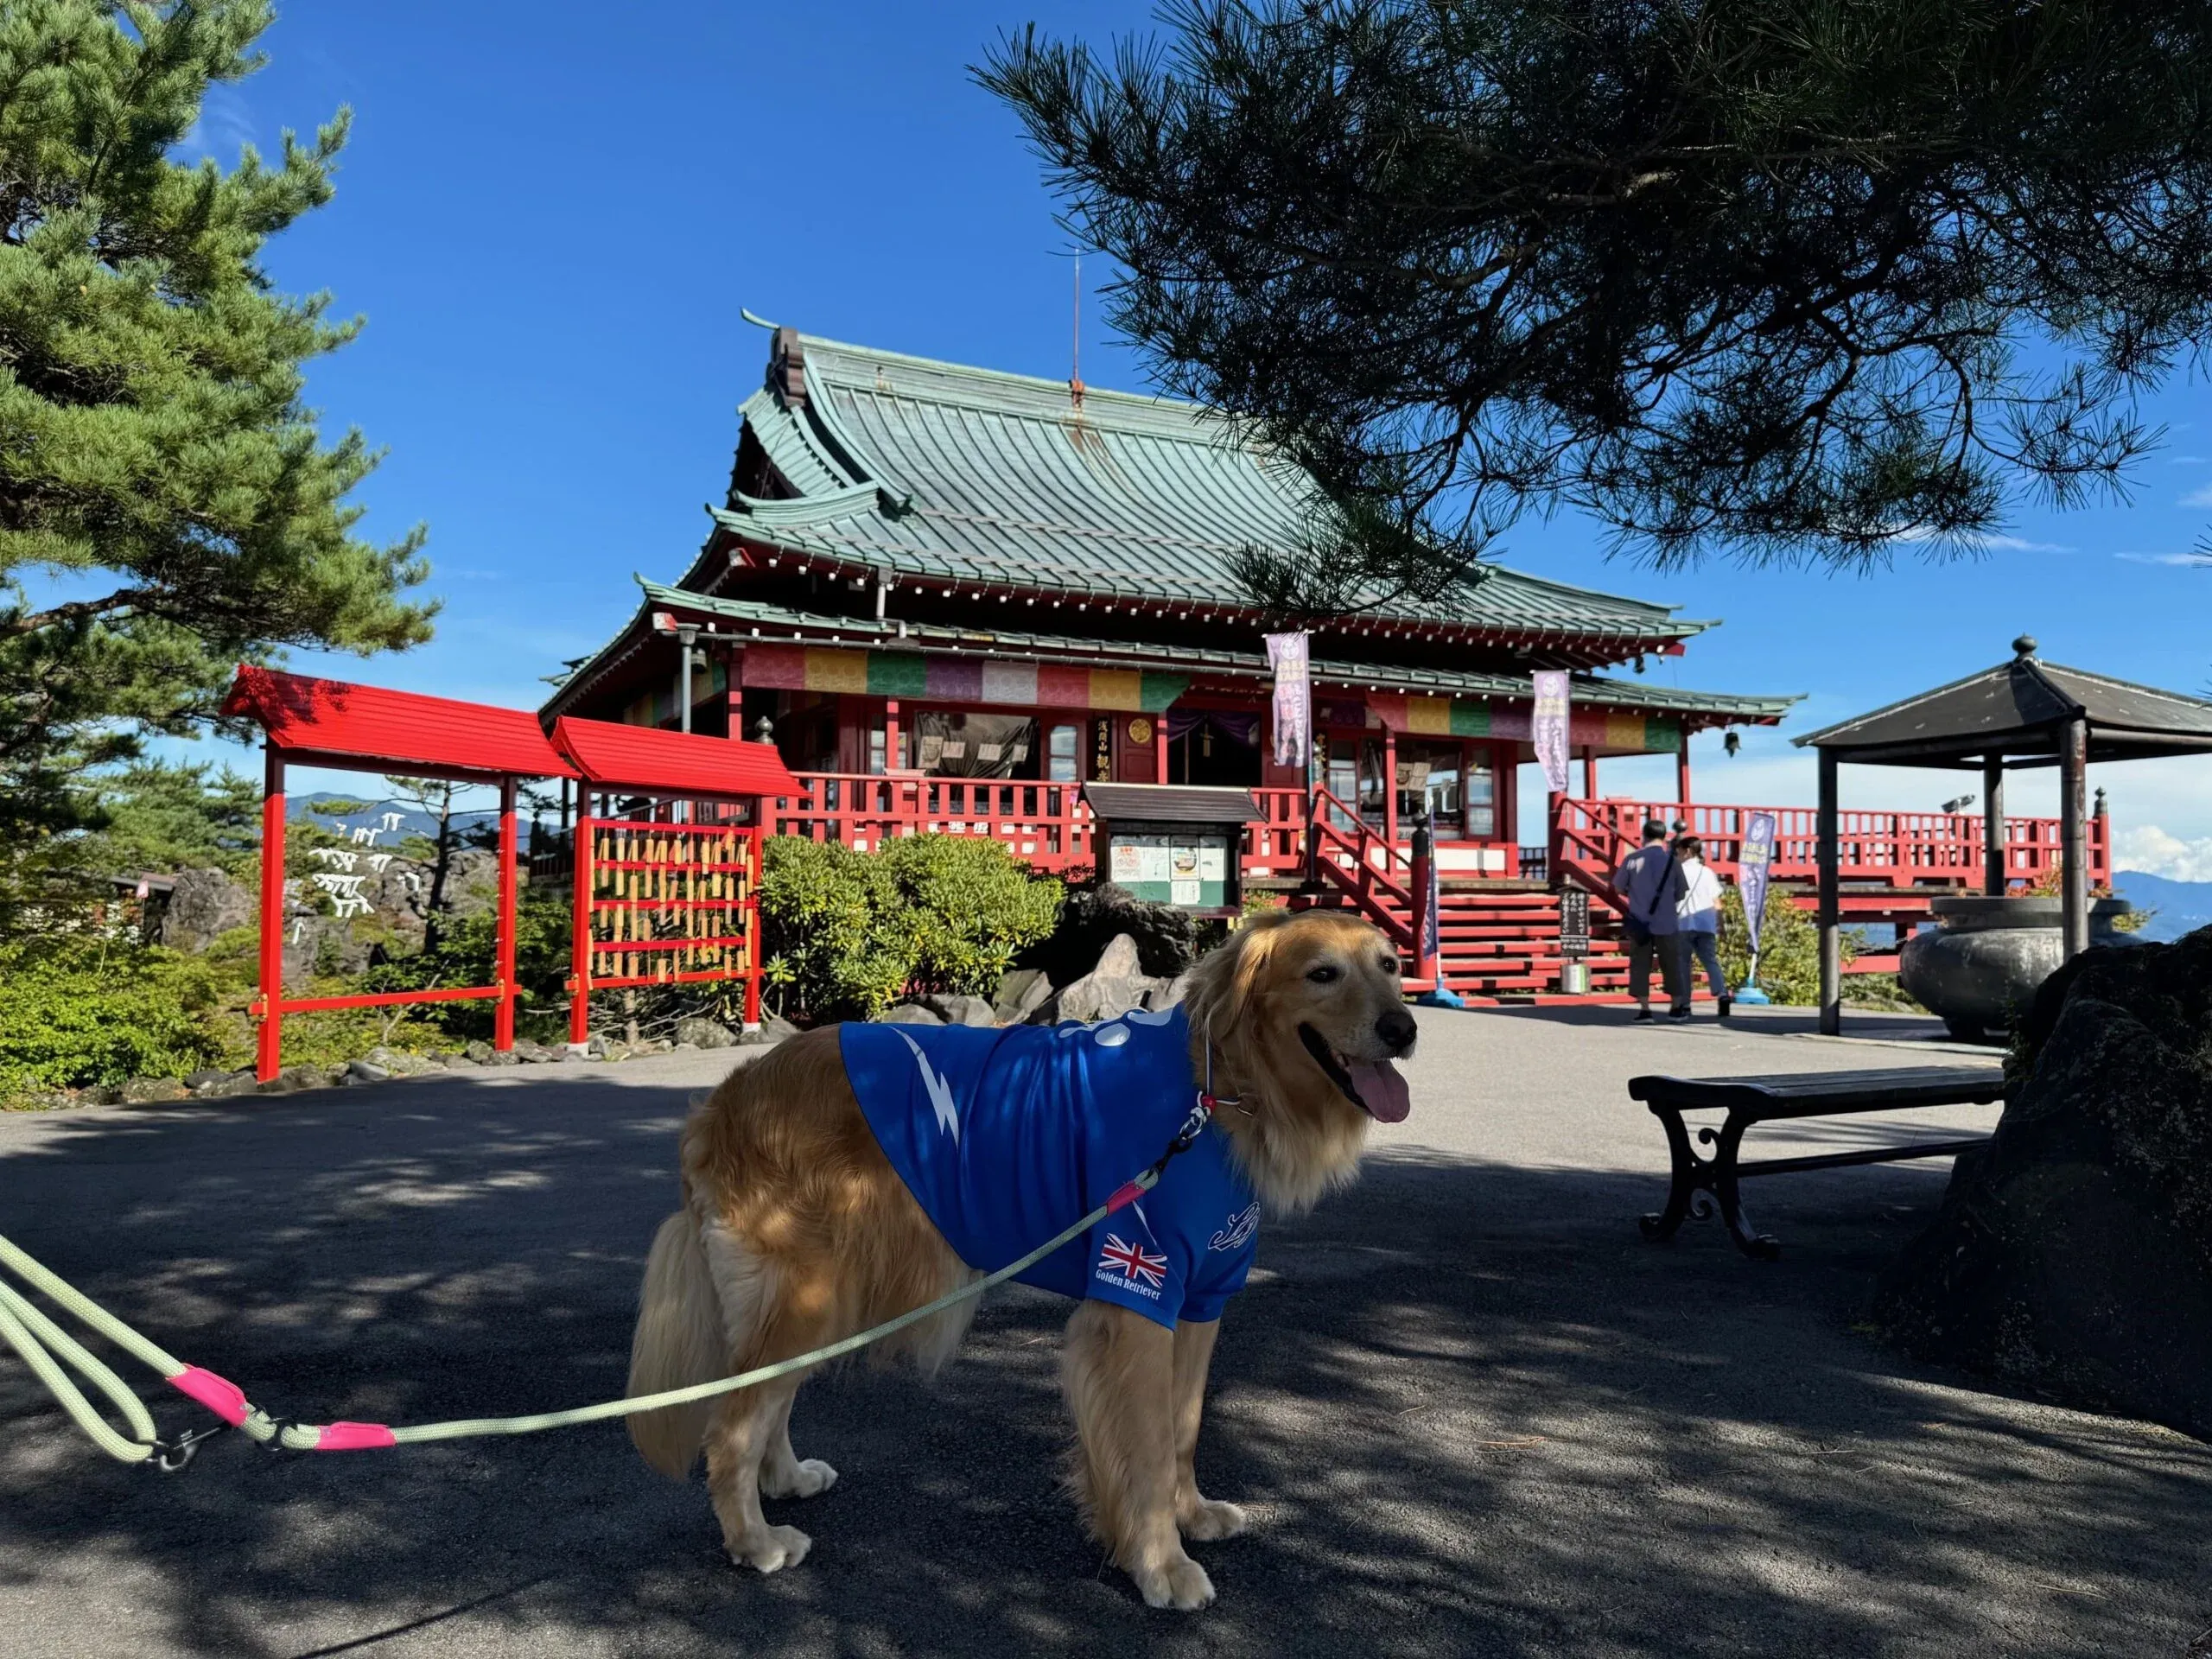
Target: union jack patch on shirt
x=1132 y=1262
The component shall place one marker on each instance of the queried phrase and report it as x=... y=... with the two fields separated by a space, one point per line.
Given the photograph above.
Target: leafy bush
x=465 y=954
x=846 y=933
x=1789 y=947
x=77 y=1012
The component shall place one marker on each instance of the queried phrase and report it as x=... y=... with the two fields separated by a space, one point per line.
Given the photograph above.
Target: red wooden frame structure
x=657 y=902
x=345 y=727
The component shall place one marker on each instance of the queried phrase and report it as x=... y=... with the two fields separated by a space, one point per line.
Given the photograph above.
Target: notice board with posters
x=1172 y=843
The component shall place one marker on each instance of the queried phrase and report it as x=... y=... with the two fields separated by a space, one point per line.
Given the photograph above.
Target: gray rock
x=362 y=1072
x=1020 y=994
x=961 y=1010
x=2072 y=1255
x=1103 y=996
x=1119 y=960
x=504 y=1057
x=1166 y=938
x=479 y=1052
x=704 y=1033
x=153 y=1091
x=397 y=1062
x=203 y=904
x=293 y=1079
x=207 y=1079
x=908 y=1013
x=1168 y=996
x=611 y=1052
x=773 y=1029
x=228 y=1086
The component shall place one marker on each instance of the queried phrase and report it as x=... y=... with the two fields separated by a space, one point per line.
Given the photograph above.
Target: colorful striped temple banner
x=1465 y=717
x=960 y=679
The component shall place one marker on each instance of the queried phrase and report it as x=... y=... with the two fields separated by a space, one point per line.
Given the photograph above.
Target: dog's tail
x=679 y=1341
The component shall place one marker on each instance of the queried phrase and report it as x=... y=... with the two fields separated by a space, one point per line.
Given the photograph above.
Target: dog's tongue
x=1383 y=1091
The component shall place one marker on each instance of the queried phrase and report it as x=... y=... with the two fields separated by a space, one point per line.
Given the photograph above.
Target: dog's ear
x=1223 y=984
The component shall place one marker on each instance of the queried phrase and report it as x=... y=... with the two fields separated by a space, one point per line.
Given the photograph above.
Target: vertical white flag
x=1293 y=704
x=1548 y=729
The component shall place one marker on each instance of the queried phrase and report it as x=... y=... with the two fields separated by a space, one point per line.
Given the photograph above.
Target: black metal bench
x=1700 y=1183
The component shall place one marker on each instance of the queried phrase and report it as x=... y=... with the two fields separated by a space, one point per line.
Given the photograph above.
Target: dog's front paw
x=1209 y=1520
x=1182 y=1585
x=805 y=1478
x=773 y=1549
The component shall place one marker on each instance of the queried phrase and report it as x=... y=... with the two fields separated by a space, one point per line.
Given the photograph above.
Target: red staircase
x=1497 y=941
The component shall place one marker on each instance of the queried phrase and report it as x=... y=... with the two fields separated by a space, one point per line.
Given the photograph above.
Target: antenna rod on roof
x=1075 y=347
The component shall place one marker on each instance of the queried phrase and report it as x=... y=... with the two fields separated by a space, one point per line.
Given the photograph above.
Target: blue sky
x=550 y=219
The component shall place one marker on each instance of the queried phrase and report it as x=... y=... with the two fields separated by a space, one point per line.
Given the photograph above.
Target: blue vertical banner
x=1294 y=701
x=1547 y=730
x=1431 y=928
x=1752 y=865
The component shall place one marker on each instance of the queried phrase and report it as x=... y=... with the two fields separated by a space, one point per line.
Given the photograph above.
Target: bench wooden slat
x=1816 y=1095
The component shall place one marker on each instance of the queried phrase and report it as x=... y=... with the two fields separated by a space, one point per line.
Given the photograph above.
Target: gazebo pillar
x=1831 y=917
x=1993 y=825
x=2073 y=765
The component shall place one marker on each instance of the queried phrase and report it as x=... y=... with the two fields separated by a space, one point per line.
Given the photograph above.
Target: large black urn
x=1979 y=966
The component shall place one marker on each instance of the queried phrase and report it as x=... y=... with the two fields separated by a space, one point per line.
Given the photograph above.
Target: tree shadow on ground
x=1472 y=1411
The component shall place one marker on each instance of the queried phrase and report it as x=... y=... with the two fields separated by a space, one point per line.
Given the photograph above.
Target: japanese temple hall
x=926 y=570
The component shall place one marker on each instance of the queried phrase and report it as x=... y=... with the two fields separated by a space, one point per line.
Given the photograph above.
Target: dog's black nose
x=1397 y=1028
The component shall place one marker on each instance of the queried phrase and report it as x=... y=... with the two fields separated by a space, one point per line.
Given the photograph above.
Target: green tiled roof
x=935 y=470
x=759 y=620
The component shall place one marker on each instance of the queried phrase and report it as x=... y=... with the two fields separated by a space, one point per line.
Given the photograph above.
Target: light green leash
x=50 y=1352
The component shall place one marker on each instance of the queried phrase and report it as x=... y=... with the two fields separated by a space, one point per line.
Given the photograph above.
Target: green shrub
x=77 y=1013
x=466 y=955
x=847 y=934
x=1790 y=948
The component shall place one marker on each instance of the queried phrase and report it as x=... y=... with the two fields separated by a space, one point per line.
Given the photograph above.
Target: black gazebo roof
x=2019 y=710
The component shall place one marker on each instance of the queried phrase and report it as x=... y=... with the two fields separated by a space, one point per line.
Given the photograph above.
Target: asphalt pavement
x=1469 y=1409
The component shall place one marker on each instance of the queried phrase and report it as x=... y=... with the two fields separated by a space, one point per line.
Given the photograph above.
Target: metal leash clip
x=171 y=1457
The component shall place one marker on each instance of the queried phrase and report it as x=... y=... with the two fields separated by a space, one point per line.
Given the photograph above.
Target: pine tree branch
x=76 y=610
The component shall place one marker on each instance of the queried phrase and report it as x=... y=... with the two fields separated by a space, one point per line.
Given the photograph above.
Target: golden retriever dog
x=797 y=1230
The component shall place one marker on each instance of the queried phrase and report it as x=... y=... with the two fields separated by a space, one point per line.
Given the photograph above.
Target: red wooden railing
x=1936 y=850
x=1046 y=824
x=1352 y=858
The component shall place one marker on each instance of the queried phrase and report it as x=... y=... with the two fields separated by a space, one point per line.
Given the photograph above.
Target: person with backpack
x=1650 y=887
x=1699 y=915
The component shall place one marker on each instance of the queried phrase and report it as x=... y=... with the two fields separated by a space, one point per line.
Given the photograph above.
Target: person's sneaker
x=1643 y=1012
x=1726 y=1003
x=1679 y=1016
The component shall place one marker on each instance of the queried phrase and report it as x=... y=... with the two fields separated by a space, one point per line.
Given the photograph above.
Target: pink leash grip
x=1125 y=1194
x=353 y=1437
x=219 y=1395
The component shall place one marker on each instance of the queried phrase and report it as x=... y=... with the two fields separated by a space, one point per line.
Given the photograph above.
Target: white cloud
x=2149 y=848
x=1989 y=541
x=2198 y=497
x=2163 y=558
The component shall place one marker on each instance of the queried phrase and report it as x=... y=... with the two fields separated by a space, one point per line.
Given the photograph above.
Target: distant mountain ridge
x=387 y=822
x=2182 y=906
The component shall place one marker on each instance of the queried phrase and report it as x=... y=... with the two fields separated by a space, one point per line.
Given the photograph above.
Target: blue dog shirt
x=1006 y=1137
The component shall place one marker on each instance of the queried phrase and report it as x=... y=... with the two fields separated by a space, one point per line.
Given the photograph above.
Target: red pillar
x=269 y=1039
x=752 y=844
x=1589 y=773
x=891 y=734
x=503 y=1020
x=580 y=924
x=1682 y=772
x=1159 y=747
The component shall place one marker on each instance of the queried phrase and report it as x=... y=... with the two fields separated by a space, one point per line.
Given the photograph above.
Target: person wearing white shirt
x=1697 y=918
